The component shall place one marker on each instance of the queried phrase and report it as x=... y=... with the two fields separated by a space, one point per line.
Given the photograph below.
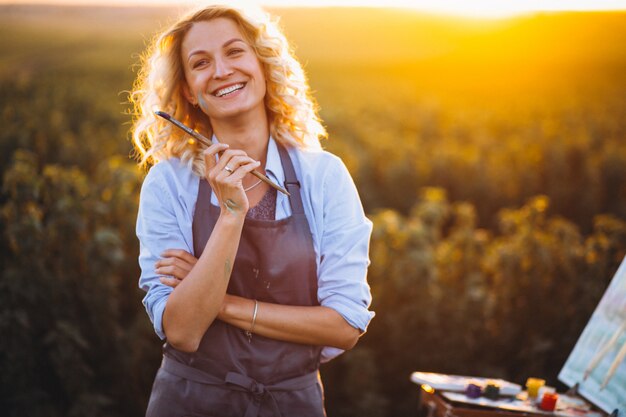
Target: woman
x=251 y=289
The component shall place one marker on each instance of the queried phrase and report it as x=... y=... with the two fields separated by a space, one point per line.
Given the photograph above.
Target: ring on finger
x=229 y=169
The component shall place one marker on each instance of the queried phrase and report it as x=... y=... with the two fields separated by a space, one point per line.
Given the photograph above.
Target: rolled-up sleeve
x=344 y=249
x=157 y=229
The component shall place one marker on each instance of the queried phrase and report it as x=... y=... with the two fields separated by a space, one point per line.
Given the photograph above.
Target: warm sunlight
x=477 y=8
x=476 y=150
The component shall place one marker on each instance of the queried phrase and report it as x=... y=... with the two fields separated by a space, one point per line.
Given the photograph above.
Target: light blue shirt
x=340 y=230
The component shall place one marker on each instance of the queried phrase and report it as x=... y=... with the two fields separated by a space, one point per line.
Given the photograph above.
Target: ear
x=187 y=93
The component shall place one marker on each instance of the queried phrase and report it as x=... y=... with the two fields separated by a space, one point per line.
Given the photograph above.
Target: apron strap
x=181 y=370
x=257 y=390
x=199 y=228
x=242 y=382
x=291 y=181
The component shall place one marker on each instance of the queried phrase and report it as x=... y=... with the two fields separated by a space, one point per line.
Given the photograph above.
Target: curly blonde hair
x=292 y=113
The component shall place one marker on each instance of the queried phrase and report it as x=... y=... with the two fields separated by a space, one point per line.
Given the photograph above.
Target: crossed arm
x=316 y=325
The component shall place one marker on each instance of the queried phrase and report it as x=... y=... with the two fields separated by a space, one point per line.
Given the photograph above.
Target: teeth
x=227 y=90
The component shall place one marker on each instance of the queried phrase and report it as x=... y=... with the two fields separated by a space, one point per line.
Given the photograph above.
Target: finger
x=226 y=159
x=171 y=263
x=170 y=282
x=210 y=161
x=209 y=156
x=242 y=170
x=173 y=271
x=179 y=269
x=180 y=254
x=235 y=164
x=220 y=168
x=239 y=160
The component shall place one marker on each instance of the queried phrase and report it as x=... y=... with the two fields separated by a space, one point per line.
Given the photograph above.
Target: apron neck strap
x=291 y=181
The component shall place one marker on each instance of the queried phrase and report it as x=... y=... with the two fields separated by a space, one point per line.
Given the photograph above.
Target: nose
x=222 y=69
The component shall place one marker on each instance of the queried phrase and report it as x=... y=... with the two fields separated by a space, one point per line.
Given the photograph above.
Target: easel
x=573 y=391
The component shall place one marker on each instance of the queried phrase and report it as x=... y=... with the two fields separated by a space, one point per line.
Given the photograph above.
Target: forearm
x=196 y=301
x=312 y=325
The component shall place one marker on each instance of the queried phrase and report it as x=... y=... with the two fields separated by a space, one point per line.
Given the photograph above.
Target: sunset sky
x=487 y=8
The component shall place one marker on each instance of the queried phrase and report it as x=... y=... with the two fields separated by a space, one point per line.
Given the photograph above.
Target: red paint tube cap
x=548 y=402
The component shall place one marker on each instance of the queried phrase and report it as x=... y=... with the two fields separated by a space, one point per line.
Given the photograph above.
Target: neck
x=249 y=133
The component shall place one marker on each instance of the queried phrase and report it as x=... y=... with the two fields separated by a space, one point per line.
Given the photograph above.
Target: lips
x=221 y=92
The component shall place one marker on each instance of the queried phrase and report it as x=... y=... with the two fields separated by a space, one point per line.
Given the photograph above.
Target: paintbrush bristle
x=163 y=114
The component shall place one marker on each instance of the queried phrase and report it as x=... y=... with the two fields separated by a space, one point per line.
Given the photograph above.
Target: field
x=490 y=155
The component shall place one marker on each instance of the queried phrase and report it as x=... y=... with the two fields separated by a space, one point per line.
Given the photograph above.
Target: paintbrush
x=204 y=140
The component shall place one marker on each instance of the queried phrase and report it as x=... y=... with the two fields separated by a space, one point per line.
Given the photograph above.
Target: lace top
x=266 y=208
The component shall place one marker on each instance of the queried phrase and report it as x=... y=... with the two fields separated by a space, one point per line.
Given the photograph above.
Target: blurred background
x=489 y=150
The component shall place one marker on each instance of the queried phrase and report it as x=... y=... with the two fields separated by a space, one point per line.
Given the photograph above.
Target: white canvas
x=598 y=360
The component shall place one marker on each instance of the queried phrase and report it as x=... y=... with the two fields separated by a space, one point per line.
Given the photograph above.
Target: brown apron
x=231 y=375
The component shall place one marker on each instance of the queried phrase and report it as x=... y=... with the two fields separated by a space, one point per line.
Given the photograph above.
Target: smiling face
x=224 y=76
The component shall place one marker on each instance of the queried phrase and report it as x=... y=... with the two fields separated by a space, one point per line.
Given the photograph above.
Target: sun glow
x=475 y=8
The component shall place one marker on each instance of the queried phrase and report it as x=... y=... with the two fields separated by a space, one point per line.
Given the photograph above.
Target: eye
x=234 y=51
x=199 y=63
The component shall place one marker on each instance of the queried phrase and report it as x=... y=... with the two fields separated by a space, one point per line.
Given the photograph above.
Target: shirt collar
x=273 y=166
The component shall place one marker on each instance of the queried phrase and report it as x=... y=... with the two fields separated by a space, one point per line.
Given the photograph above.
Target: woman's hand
x=226 y=177
x=176 y=264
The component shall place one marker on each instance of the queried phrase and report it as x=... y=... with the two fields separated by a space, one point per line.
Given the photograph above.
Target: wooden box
x=433 y=404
